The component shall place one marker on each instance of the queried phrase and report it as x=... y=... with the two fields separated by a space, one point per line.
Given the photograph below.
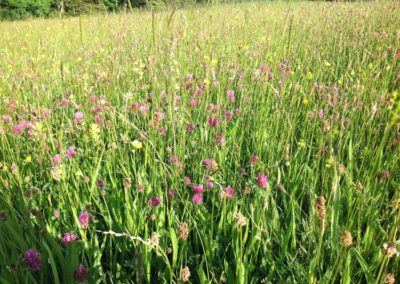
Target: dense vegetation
x=20 y=9
x=249 y=143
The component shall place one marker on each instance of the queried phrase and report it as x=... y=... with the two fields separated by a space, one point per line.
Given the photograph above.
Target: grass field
x=246 y=143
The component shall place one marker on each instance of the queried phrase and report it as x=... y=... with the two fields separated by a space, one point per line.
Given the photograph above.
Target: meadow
x=237 y=143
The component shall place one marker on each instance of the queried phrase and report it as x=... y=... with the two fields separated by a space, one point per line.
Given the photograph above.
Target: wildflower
x=185 y=274
x=183 y=231
x=253 y=160
x=238 y=111
x=220 y=139
x=197 y=199
x=231 y=95
x=94 y=131
x=190 y=127
x=240 y=219
x=228 y=115
x=31 y=259
x=213 y=121
x=193 y=102
x=210 y=185
x=262 y=180
x=100 y=183
x=211 y=164
x=68 y=238
x=137 y=145
x=93 y=99
x=7 y=118
x=186 y=180
x=78 y=116
x=81 y=273
x=171 y=193
x=70 y=153
x=320 y=113
x=28 y=159
x=56 y=173
x=56 y=160
x=127 y=183
x=154 y=201
x=306 y=101
x=346 y=239
x=84 y=219
x=327 y=64
x=56 y=213
x=389 y=279
x=154 y=239
x=197 y=189
x=228 y=193
x=390 y=249
x=140 y=187
x=174 y=159
x=64 y=102
x=17 y=129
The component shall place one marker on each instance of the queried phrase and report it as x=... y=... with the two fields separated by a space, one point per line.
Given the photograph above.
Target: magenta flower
x=210 y=185
x=262 y=180
x=24 y=124
x=84 y=219
x=7 y=119
x=238 y=111
x=228 y=193
x=81 y=273
x=100 y=183
x=190 y=128
x=17 y=129
x=253 y=160
x=197 y=199
x=68 y=238
x=207 y=162
x=154 y=201
x=193 y=103
x=93 y=99
x=171 y=193
x=70 y=153
x=79 y=116
x=162 y=131
x=64 y=102
x=174 y=159
x=56 y=160
x=187 y=180
x=320 y=113
x=228 y=115
x=197 y=189
x=231 y=95
x=220 y=139
x=213 y=121
x=32 y=260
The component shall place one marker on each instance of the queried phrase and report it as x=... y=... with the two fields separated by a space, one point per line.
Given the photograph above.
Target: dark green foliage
x=18 y=9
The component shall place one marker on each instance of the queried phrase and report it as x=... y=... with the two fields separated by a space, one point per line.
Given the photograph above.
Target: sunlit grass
x=286 y=114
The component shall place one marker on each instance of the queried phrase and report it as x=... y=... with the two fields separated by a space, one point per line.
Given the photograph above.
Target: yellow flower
x=137 y=144
x=330 y=162
x=394 y=95
x=94 y=131
x=327 y=64
x=301 y=143
x=309 y=75
x=306 y=101
x=28 y=159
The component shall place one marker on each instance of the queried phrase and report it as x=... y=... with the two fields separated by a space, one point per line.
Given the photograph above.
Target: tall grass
x=306 y=94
